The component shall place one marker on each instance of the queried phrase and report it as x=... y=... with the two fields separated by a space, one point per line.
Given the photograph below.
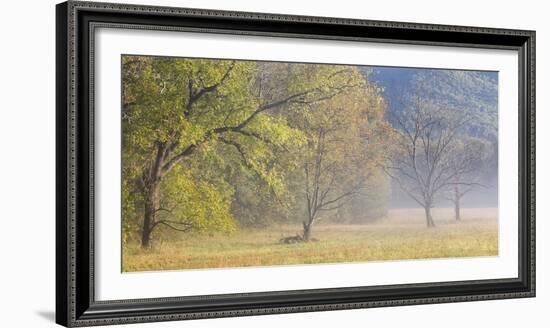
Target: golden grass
x=403 y=235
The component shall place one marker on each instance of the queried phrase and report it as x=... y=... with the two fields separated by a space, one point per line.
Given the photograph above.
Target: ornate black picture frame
x=75 y=301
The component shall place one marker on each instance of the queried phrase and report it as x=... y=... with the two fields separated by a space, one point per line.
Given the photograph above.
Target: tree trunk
x=457 y=204
x=152 y=201
x=307 y=229
x=152 y=195
x=429 y=220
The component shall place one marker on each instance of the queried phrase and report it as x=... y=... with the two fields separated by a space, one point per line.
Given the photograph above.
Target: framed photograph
x=216 y=164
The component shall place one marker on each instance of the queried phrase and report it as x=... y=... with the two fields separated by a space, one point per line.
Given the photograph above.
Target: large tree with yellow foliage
x=187 y=122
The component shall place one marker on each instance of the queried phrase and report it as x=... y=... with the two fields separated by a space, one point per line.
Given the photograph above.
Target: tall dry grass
x=402 y=235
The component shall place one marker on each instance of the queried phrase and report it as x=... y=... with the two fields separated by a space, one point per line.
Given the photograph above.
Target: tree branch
x=172 y=162
x=169 y=224
x=196 y=95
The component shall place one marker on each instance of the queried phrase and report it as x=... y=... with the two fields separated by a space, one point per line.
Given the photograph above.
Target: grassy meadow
x=402 y=235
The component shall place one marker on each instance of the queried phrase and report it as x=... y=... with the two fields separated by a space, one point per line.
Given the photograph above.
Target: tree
x=193 y=115
x=422 y=162
x=470 y=159
x=337 y=158
x=330 y=178
x=474 y=93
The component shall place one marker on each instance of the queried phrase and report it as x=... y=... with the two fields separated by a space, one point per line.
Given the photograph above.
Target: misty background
x=475 y=92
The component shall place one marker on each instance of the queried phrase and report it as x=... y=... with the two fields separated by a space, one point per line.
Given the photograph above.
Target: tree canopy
x=193 y=127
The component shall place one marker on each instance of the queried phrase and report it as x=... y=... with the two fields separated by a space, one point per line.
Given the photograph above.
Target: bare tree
x=338 y=158
x=422 y=163
x=470 y=156
x=329 y=182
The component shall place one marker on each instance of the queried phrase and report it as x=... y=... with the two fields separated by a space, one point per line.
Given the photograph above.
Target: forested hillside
x=475 y=92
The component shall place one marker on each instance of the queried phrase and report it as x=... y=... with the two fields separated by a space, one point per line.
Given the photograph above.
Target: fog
x=478 y=198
